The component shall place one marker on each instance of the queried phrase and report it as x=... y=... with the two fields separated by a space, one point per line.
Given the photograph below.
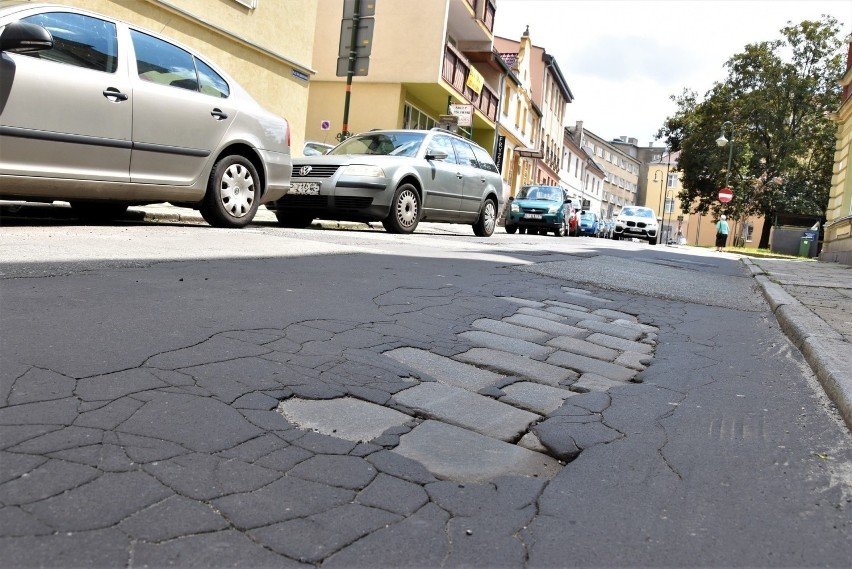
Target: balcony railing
x=455 y=72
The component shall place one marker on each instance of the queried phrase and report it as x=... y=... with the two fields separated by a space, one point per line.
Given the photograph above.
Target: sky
x=624 y=59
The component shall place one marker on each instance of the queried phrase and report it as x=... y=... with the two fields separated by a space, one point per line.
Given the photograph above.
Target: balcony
x=455 y=72
x=471 y=24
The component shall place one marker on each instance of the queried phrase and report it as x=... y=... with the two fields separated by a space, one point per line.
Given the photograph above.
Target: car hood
x=346 y=159
x=637 y=219
x=536 y=203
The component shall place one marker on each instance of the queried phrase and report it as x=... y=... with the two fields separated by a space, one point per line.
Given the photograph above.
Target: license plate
x=532 y=216
x=305 y=188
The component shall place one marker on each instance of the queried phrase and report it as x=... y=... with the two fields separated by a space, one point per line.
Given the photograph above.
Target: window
x=485 y=161
x=507 y=97
x=78 y=40
x=672 y=181
x=210 y=82
x=464 y=154
x=748 y=231
x=669 y=208
x=414 y=118
x=444 y=144
x=160 y=62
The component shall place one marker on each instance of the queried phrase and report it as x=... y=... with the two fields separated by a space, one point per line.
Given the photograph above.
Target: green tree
x=778 y=95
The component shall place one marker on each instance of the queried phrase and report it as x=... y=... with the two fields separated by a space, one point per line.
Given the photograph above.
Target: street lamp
x=721 y=142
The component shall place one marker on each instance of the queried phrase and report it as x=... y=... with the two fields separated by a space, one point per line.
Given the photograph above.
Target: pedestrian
x=721 y=233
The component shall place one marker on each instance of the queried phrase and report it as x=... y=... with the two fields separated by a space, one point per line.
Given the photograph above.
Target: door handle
x=113 y=93
x=218 y=114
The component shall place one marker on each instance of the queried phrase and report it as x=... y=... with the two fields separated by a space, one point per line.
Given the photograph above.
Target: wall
x=371 y=105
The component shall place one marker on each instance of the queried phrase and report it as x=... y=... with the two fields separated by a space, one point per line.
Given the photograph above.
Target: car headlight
x=553 y=209
x=363 y=170
x=515 y=208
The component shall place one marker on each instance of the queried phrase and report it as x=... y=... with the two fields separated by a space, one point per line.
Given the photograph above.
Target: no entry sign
x=726 y=195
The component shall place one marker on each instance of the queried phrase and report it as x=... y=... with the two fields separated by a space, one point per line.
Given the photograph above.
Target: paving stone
x=585 y=299
x=530 y=441
x=511 y=345
x=510 y=330
x=617 y=330
x=458 y=454
x=541 y=399
x=585 y=364
x=533 y=370
x=393 y=495
x=445 y=370
x=522 y=301
x=545 y=325
x=547 y=313
x=568 y=305
x=620 y=343
x=633 y=324
x=574 y=315
x=458 y=407
x=576 y=290
x=584 y=348
x=594 y=382
x=345 y=417
x=634 y=360
x=614 y=314
x=348 y=472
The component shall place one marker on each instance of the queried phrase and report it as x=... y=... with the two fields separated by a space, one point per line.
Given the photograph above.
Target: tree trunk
x=768 y=219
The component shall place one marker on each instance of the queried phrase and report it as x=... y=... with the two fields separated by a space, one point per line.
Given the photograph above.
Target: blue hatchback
x=589 y=223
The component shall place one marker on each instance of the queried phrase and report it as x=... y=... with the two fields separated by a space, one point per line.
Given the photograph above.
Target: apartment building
x=837 y=244
x=424 y=57
x=581 y=174
x=550 y=93
x=266 y=46
x=621 y=184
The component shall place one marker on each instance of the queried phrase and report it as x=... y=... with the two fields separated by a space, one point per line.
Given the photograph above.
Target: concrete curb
x=826 y=351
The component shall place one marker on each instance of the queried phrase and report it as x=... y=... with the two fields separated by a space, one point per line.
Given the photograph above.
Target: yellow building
x=837 y=243
x=266 y=46
x=425 y=55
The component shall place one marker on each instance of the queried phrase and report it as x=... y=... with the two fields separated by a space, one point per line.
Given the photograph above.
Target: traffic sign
x=726 y=195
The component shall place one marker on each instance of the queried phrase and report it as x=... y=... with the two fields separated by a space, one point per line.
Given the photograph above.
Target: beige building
x=266 y=46
x=621 y=184
x=421 y=61
x=550 y=93
x=837 y=243
x=581 y=174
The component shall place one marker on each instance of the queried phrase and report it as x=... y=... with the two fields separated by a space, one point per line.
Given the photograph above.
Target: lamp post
x=721 y=142
x=663 y=181
x=669 y=192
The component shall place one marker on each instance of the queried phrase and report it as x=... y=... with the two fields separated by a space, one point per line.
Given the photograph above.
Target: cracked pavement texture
x=139 y=427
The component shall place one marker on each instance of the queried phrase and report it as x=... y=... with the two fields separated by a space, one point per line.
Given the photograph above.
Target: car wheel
x=522 y=230
x=652 y=241
x=616 y=237
x=404 y=214
x=233 y=193
x=293 y=218
x=562 y=231
x=97 y=211
x=484 y=226
x=510 y=229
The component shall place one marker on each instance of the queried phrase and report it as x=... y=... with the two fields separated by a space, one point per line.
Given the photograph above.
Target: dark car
x=398 y=177
x=542 y=209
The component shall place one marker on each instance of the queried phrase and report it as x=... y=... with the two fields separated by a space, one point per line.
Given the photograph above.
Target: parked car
x=542 y=209
x=589 y=223
x=313 y=148
x=635 y=221
x=398 y=177
x=104 y=114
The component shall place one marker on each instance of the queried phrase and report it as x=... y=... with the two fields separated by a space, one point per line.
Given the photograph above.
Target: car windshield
x=383 y=143
x=637 y=212
x=541 y=193
x=587 y=217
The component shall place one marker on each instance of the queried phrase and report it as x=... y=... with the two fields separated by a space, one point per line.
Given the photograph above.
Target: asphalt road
x=143 y=365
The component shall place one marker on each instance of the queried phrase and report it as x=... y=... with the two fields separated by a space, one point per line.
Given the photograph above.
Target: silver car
x=398 y=177
x=104 y=114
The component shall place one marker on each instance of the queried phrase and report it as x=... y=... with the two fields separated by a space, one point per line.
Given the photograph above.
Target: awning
x=529 y=152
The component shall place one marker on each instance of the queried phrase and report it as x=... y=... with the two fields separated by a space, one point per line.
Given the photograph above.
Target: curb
x=826 y=351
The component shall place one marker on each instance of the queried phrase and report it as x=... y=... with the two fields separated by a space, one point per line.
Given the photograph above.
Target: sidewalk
x=813 y=304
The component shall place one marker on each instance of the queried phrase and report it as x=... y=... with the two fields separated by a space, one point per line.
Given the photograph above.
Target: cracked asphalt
x=143 y=367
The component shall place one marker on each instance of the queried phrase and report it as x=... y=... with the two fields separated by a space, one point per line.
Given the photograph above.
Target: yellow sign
x=474 y=81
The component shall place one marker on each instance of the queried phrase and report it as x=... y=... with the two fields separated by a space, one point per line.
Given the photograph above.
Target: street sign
x=362 y=66
x=363 y=41
x=366 y=8
x=325 y=125
x=464 y=114
x=726 y=195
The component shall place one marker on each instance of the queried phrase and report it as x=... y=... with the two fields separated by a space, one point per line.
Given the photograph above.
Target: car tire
x=293 y=219
x=233 y=193
x=404 y=212
x=616 y=237
x=484 y=226
x=562 y=231
x=98 y=211
x=652 y=241
x=522 y=230
x=510 y=229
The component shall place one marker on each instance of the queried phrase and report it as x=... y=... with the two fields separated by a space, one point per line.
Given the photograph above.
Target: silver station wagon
x=398 y=177
x=102 y=114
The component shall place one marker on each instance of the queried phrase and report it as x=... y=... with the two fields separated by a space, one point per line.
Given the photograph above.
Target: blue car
x=589 y=223
x=542 y=209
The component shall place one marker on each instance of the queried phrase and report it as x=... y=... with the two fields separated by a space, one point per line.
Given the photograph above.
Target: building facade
x=581 y=174
x=266 y=46
x=406 y=87
x=837 y=240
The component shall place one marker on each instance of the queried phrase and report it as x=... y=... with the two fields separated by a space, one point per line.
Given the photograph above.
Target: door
x=66 y=112
x=474 y=181
x=181 y=111
x=443 y=181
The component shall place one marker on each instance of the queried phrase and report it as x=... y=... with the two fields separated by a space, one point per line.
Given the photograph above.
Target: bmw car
x=635 y=221
x=396 y=177
x=103 y=114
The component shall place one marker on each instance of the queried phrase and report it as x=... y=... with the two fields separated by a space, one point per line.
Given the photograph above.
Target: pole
x=350 y=72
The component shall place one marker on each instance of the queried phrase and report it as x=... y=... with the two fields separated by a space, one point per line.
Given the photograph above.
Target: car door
x=66 y=112
x=181 y=111
x=474 y=181
x=443 y=182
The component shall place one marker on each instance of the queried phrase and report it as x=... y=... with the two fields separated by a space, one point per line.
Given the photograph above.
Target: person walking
x=721 y=233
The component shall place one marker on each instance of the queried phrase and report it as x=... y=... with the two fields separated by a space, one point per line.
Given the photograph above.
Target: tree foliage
x=778 y=96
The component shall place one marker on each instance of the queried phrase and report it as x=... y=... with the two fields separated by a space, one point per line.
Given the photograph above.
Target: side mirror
x=20 y=37
x=436 y=155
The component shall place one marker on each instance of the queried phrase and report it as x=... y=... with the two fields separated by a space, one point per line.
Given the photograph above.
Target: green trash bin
x=805 y=247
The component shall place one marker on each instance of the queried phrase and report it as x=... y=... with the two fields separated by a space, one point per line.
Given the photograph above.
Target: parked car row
x=144 y=119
